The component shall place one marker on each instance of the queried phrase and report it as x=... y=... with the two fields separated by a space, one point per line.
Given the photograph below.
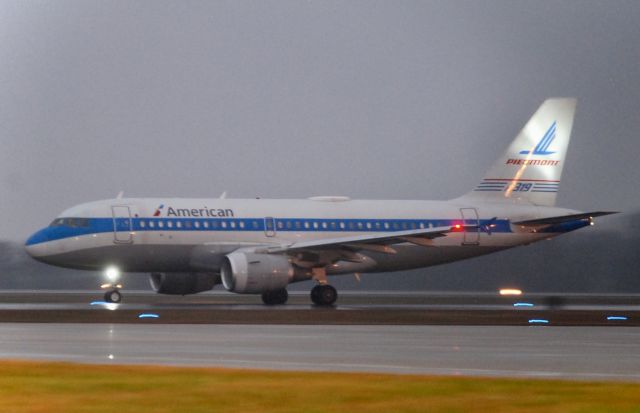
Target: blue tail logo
x=543 y=146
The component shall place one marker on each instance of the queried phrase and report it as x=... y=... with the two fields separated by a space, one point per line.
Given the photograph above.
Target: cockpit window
x=70 y=222
x=58 y=222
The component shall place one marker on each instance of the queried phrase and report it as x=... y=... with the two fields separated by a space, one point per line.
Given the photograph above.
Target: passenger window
x=386 y=225
x=405 y=225
x=288 y=224
x=223 y=224
x=169 y=224
x=214 y=224
x=206 y=224
x=241 y=224
x=179 y=224
x=422 y=225
x=315 y=225
x=196 y=224
x=142 y=224
x=151 y=224
x=306 y=224
x=324 y=225
x=333 y=225
x=342 y=225
x=280 y=225
x=233 y=224
x=368 y=225
x=298 y=225
x=396 y=225
x=160 y=224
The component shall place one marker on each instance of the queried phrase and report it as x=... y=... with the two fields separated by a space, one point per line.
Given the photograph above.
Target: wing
x=374 y=242
x=563 y=218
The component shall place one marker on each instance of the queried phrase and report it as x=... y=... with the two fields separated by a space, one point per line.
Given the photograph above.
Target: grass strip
x=67 y=387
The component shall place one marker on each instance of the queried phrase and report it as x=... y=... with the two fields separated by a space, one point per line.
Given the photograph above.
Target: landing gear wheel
x=113 y=296
x=276 y=297
x=324 y=295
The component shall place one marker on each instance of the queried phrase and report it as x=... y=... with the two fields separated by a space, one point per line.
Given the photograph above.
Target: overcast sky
x=395 y=99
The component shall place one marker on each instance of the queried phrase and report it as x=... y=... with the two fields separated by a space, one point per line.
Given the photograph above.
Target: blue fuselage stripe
x=104 y=225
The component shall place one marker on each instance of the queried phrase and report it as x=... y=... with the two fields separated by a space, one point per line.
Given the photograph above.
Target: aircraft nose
x=36 y=244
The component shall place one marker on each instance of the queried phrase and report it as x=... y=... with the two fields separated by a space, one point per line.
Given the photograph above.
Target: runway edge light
x=510 y=291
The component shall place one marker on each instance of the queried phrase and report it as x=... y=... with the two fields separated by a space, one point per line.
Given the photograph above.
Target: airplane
x=260 y=246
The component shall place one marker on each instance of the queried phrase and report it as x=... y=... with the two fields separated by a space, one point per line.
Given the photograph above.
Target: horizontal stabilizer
x=564 y=218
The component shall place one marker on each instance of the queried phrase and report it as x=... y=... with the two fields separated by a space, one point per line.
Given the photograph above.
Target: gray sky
x=395 y=99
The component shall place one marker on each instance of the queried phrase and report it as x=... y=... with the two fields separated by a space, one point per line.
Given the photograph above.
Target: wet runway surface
x=352 y=308
x=404 y=333
x=593 y=353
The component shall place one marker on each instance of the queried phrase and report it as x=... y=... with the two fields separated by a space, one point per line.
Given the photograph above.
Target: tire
x=324 y=295
x=277 y=297
x=113 y=296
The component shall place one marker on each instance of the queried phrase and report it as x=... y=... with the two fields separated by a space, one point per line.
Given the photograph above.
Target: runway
x=591 y=353
x=435 y=333
x=352 y=309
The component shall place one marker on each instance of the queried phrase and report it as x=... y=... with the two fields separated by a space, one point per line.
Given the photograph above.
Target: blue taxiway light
x=616 y=318
x=148 y=315
x=538 y=321
x=523 y=305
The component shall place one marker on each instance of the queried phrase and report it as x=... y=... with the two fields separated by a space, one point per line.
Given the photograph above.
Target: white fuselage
x=192 y=235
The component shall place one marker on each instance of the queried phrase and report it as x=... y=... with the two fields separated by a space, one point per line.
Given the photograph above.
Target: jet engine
x=183 y=283
x=251 y=273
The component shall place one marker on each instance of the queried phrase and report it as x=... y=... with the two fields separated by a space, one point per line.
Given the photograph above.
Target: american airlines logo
x=194 y=212
x=158 y=211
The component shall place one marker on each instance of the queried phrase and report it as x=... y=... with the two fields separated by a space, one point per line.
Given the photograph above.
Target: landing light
x=112 y=273
x=510 y=291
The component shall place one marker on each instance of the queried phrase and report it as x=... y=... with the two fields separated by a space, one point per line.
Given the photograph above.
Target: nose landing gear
x=113 y=294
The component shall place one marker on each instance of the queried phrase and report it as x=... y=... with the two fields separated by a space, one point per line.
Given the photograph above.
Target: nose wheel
x=324 y=295
x=112 y=295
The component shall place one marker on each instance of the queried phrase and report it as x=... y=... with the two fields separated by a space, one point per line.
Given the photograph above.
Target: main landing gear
x=322 y=294
x=113 y=294
x=276 y=297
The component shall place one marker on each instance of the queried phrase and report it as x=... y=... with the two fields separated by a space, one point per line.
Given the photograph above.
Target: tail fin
x=530 y=169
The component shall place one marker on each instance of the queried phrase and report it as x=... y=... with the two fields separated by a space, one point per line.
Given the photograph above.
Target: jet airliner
x=260 y=246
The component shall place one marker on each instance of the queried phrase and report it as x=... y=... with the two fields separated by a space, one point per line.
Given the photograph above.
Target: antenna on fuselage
x=223 y=195
x=120 y=195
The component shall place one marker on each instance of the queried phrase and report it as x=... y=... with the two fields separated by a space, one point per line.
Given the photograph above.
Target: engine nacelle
x=182 y=283
x=250 y=273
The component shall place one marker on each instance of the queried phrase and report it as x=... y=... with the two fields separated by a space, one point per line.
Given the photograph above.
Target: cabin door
x=270 y=227
x=122 y=225
x=471 y=221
